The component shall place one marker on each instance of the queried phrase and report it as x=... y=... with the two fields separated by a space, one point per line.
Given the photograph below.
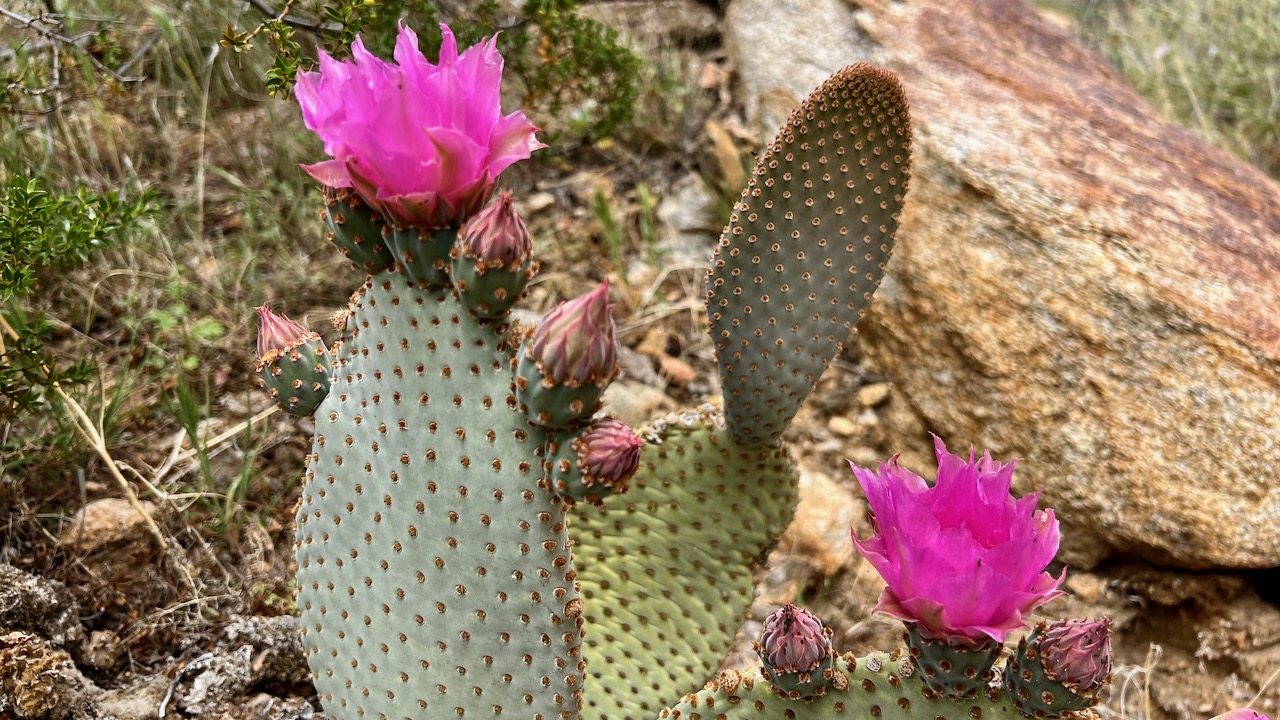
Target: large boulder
x=1078 y=282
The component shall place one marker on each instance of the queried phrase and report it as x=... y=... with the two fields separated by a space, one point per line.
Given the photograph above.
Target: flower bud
x=608 y=454
x=794 y=640
x=1060 y=668
x=279 y=333
x=568 y=360
x=796 y=651
x=496 y=237
x=577 y=342
x=292 y=365
x=1077 y=653
x=492 y=259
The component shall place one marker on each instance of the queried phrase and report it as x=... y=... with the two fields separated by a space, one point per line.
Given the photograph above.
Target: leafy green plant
x=43 y=232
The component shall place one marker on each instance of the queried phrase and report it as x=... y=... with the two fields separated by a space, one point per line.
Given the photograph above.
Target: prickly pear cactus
x=456 y=559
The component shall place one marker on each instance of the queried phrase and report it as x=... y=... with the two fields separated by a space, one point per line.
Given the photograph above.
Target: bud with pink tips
x=796 y=651
x=596 y=462
x=1061 y=667
x=568 y=360
x=493 y=259
x=292 y=364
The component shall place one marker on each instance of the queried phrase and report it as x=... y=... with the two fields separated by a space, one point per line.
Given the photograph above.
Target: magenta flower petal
x=421 y=142
x=963 y=559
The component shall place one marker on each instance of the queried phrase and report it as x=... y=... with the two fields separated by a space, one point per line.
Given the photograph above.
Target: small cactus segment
x=596 y=462
x=293 y=364
x=434 y=572
x=493 y=259
x=1060 y=667
x=807 y=246
x=356 y=229
x=876 y=687
x=796 y=651
x=960 y=671
x=568 y=360
x=666 y=569
x=422 y=255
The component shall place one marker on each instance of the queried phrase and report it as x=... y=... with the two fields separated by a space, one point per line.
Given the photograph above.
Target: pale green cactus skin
x=879 y=686
x=440 y=575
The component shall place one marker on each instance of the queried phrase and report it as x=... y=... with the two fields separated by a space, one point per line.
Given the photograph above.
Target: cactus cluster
x=475 y=540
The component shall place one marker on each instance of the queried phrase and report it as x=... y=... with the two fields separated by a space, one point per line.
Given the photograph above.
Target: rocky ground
x=145 y=633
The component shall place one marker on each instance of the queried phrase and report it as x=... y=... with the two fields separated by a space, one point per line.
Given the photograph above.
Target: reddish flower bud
x=279 y=333
x=608 y=454
x=496 y=237
x=1077 y=653
x=576 y=343
x=793 y=641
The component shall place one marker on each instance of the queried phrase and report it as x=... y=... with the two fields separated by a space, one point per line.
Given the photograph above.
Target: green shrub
x=43 y=232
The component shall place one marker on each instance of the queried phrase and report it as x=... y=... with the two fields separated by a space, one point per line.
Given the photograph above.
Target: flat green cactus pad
x=666 y=569
x=875 y=687
x=807 y=246
x=434 y=572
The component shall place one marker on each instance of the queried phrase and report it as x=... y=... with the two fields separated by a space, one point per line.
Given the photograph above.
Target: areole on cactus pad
x=474 y=538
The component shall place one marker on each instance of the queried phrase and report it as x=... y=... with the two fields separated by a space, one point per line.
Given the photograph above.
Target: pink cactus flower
x=279 y=333
x=1242 y=714
x=964 y=560
x=496 y=237
x=576 y=343
x=422 y=143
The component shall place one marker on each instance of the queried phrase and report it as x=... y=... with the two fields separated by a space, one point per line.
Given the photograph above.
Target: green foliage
x=559 y=60
x=46 y=232
x=1213 y=65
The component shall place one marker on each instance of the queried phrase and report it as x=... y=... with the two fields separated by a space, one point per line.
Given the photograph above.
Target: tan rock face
x=1081 y=284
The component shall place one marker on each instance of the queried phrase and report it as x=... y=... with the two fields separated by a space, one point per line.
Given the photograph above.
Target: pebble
x=873 y=395
x=105 y=522
x=842 y=426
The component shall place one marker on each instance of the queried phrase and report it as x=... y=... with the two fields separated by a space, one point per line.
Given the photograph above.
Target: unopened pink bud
x=496 y=237
x=608 y=454
x=577 y=342
x=794 y=640
x=1077 y=653
x=279 y=333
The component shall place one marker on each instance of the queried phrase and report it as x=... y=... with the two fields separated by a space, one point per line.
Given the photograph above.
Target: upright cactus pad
x=423 y=517
x=666 y=569
x=807 y=246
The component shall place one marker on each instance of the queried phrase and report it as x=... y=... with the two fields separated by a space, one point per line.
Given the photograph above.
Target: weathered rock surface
x=1078 y=282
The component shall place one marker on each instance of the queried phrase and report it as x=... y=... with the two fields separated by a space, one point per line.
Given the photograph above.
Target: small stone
x=105 y=522
x=873 y=395
x=104 y=650
x=842 y=426
x=1086 y=586
x=536 y=202
x=635 y=403
x=866 y=457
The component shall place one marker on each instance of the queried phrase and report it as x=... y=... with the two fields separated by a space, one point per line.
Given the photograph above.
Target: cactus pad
x=876 y=687
x=434 y=574
x=666 y=569
x=807 y=246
